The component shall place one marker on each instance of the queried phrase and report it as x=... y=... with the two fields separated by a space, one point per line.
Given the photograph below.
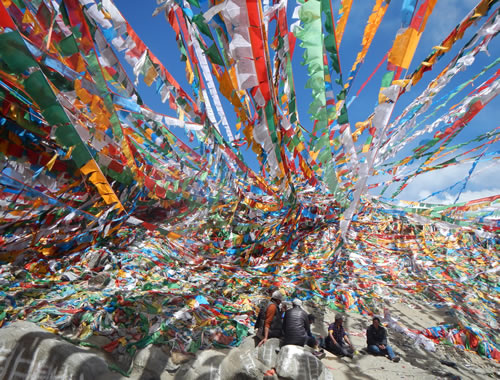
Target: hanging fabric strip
x=211 y=87
x=460 y=62
x=457 y=33
x=345 y=9
x=371 y=28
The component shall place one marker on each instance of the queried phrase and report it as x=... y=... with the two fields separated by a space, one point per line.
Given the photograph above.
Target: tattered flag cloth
x=87 y=168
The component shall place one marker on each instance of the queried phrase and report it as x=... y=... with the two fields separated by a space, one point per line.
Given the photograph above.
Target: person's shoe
x=396 y=359
x=319 y=354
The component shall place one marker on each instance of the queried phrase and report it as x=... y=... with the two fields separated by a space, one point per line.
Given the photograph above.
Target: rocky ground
x=28 y=351
x=135 y=312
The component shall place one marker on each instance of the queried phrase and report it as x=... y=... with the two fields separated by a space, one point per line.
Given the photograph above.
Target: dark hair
x=311 y=318
x=376 y=318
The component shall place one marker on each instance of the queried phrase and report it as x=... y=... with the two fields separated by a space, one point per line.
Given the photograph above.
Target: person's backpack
x=261 y=317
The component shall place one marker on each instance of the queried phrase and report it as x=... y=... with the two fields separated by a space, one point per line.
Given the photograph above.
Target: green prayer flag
x=55 y=115
x=213 y=53
x=201 y=24
x=330 y=177
x=14 y=54
x=387 y=79
x=194 y=3
x=68 y=46
x=38 y=88
x=343 y=118
x=19 y=4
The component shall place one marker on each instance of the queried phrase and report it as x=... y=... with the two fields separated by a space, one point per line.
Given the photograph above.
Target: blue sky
x=159 y=37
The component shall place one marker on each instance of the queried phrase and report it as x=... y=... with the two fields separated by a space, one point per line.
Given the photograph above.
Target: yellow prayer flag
x=52 y=161
x=101 y=183
x=404 y=48
x=173 y=235
x=82 y=93
x=189 y=72
x=28 y=17
x=313 y=154
x=150 y=76
x=300 y=147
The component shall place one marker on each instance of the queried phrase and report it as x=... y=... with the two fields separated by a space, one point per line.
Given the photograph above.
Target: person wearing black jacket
x=269 y=323
x=297 y=328
x=376 y=340
x=296 y=325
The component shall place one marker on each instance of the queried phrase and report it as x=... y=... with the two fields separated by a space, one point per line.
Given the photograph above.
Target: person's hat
x=297 y=302
x=277 y=295
x=376 y=317
x=339 y=317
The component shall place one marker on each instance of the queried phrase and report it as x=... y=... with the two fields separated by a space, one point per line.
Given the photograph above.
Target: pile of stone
x=28 y=351
x=248 y=362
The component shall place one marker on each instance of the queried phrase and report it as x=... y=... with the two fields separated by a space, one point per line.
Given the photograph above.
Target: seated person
x=269 y=323
x=297 y=329
x=295 y=325
x=376 y=340
x=337 y=340
x=312 y=341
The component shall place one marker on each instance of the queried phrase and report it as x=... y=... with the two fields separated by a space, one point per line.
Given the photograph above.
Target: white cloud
x=466 y=196
x=445 y=16
x=483 y=182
